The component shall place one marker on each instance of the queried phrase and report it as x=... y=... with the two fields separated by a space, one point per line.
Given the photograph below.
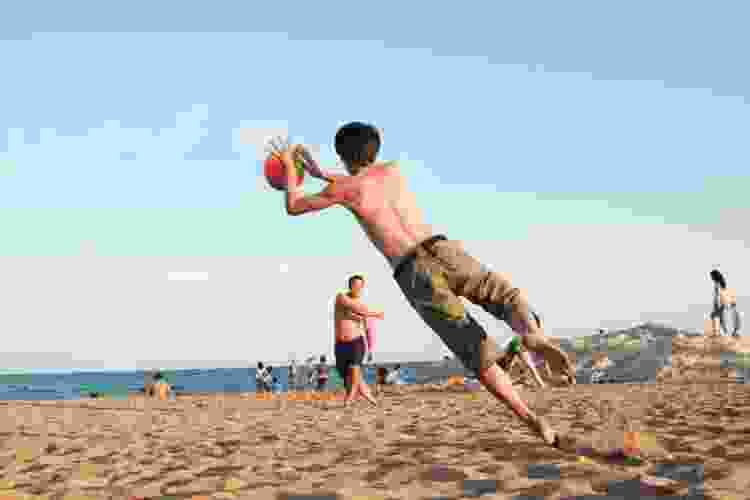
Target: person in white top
x=724 y=316
x=394 y=376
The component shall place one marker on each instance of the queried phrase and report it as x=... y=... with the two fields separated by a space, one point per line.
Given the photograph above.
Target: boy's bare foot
x=560 y=364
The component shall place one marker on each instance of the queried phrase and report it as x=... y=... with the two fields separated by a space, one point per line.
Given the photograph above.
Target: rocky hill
x=654 y=352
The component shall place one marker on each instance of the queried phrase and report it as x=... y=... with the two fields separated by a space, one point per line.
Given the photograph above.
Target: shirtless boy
x=349 y=317
x=432 y=271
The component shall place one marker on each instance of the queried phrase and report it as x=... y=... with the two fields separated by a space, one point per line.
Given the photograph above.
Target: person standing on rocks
x=724 y=317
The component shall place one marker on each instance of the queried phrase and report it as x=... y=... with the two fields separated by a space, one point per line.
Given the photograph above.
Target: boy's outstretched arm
x=297 y=203
x=311 y=166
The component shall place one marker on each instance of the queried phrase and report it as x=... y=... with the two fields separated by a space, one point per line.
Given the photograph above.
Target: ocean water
x=77 y=385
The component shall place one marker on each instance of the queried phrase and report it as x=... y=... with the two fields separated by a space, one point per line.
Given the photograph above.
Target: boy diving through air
x=432 y=271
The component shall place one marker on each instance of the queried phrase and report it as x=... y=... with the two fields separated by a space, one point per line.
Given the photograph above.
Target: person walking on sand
x=349 y=321
x=432 y=271
x=724 y=317
x=532 y=361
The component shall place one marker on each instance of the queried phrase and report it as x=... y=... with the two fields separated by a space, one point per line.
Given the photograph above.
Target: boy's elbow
x=293 y=211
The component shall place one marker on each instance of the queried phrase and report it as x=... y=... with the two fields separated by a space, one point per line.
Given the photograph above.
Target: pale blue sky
x=128 y=135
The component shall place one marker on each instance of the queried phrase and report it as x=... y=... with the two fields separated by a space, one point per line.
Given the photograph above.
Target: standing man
x=310 y=373
x=263 y=378
x=322 y=373
x=432 y=271
x=292 y=375
x=394 y=377
x=349 y=319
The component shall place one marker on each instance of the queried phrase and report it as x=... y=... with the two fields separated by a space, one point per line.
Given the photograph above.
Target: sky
x=596 y=153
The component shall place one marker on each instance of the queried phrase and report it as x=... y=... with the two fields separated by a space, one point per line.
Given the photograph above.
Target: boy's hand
x=285 y=151
x=281 y=149
x=288 y=155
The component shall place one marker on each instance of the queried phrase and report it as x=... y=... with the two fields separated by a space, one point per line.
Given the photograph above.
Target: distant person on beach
x=275 y=385
x=350 y=345
x=160 y=388
x=292 y=375
x=724 y=316
x=432 y=271
x=322 y=374
x=380 y=375
x=306 y=374
x=311 y=374
x=394 y=376
x=262 y=378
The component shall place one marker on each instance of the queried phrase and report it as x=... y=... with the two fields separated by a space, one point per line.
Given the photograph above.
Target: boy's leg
x=490 y=374
x=444 y=312
x=499 y=384
x=496 y=295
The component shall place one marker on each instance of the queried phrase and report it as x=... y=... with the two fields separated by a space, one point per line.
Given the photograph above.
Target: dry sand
x=422 y=442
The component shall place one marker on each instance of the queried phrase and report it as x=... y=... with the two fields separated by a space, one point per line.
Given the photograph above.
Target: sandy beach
x=421 y=442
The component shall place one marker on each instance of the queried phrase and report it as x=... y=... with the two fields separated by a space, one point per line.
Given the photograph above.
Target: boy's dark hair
x=397 y=367
x=354 y=278
x=260 y=365
x=323 y=359
x=357 y=142
x=718 y=278
x=158 y=376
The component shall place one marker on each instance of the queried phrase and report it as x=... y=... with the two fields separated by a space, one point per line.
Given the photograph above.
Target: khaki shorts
x=436 y=275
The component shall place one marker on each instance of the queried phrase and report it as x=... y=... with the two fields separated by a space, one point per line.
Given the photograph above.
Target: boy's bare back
x=384 y=206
